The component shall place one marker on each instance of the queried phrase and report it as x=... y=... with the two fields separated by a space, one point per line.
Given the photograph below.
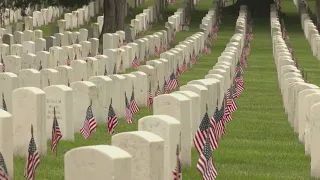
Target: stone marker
x=29 y=78
x=84 y=92
x=176 y=105
x=315 y=148
x=146 y=150
x=80 y=162
x=60 y=97
x=105 y=92
x=6 y=145
x=28 y=107
x=9 y=82
x=168 y=128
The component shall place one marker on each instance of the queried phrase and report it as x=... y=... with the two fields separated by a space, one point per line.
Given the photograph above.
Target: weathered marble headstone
x=12 y=63
x=84 y=92
x=65 y=75
x=141 y=90
x=28 y=103
x=146 y=150
x=79 y=70
x=195 y=113
x=80 y=161
x=48 y=77
x=9 y=82
x=60 y=99
x=118 y=100
x=105 y=92
x=176 y=105
x=50 y=42
x=168 y=128
x=315 y=148
x=29 y=61
x=29 y=78
x=6 y=139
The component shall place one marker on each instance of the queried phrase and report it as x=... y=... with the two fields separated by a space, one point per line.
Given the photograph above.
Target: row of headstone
x=10 y=16
x=310 y=31
x=58 y=39
x=301 y=99
x=99 y=90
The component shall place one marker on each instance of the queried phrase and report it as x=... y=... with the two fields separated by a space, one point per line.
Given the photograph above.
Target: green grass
x=259 y=144
x=302 y=50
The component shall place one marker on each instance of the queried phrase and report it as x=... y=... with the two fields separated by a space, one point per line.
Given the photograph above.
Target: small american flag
x=156 y=51
x=205 y=164
x=158 y=92
x=172 y=82
x=112 y=119
x=105 y=70
x=3 y=65
x=121 y=65
x=220 y=126
x=177 y=172
x=194 y=58
x=89 y=124
x=184 y=67
x=206 y=49
x=56 y=132
x=68 y=61
x=165 y=87
x=135 y=62
x=120 y=43
x=227 y=114
x=239 y=68
x=40 y=66
x=150 y=98
x=3 y=169
x=239 y=89
x=128 y=111
x=4 y=104
x=133 y=103
x=146 y=56
x=239 y=78
x=178 y=71
x=215 y=36
x=188 y=21
x=33 y=159
x=203 y=132
x=231 y=104
x=115 y=69
x=190 y=61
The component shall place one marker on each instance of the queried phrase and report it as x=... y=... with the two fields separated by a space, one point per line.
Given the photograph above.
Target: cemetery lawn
x=259 y=143
x=302 y=50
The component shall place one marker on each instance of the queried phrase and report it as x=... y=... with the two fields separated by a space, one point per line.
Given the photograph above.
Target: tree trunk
x=257 y=8
x=114 y=16
x=318 y=14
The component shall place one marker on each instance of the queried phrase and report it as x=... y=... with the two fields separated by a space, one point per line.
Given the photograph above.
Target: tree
x=256 y=7
x=318 y=14
x=114 y=16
